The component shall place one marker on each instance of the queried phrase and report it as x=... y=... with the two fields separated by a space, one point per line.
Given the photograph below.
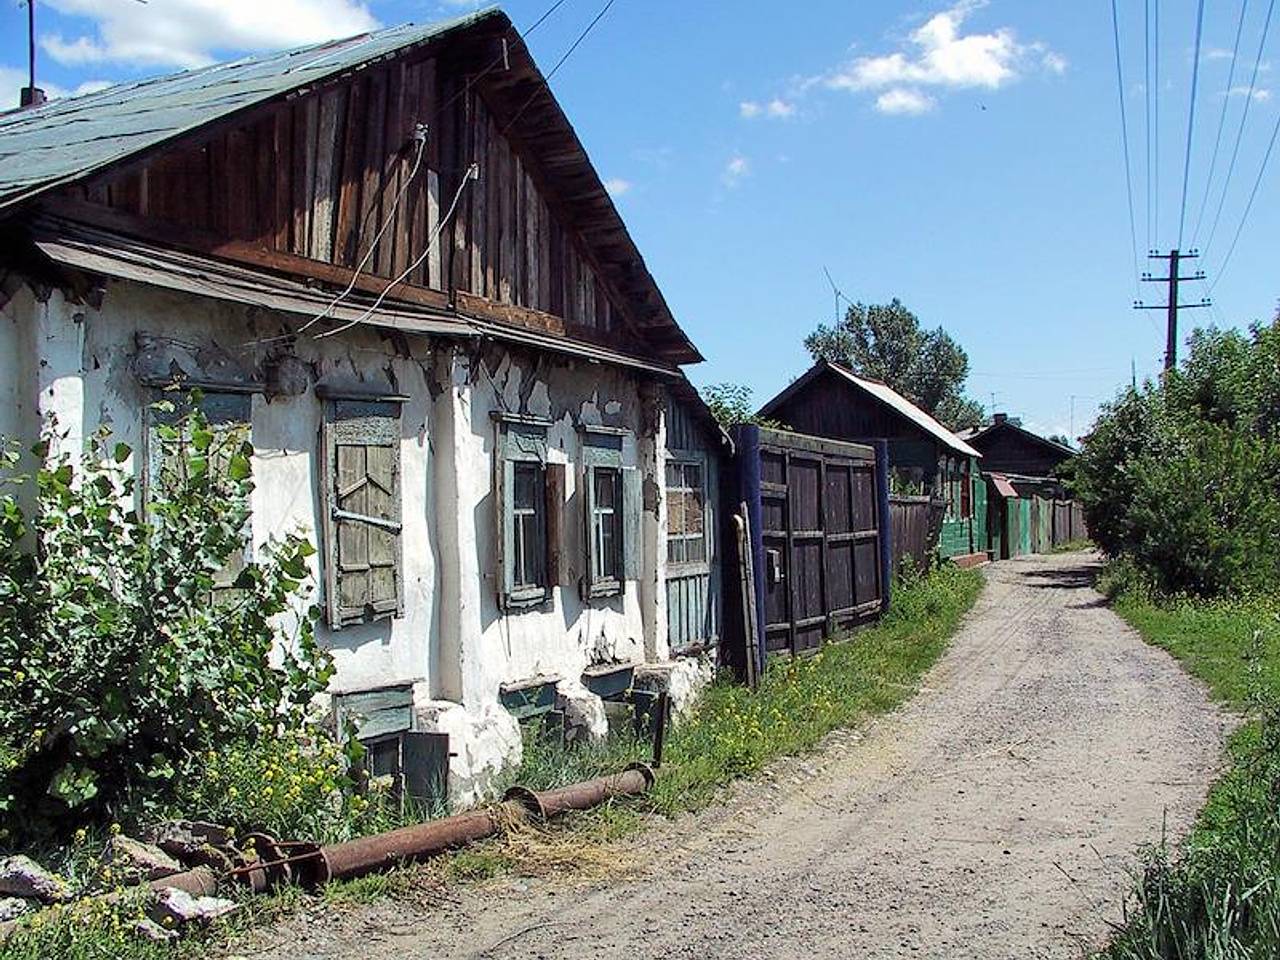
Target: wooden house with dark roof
x=390 y=260
x=925 y=458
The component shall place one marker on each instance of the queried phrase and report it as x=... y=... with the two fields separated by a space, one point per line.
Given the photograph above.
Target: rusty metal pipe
x=355 y=858
x=545 y=804
x=199 y=882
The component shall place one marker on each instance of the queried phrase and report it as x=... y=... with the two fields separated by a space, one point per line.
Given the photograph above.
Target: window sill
x=525 y=599
x=603 y=589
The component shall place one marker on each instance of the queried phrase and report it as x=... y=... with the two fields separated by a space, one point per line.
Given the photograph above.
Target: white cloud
x=737 y=168
x=1259 y=93
x=13 y=79
x=617 y=186
x=939 y=54
x=901 y=100
x=191 y=33
x=777 y=108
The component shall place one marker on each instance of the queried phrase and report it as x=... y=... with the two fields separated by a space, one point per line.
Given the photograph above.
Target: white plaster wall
x=567 y=634
x=88 y=380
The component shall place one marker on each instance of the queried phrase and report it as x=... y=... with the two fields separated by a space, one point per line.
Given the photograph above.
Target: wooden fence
x=914 y=524
x=1068 y=522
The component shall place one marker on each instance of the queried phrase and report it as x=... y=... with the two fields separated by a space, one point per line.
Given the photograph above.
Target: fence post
x=885 y=522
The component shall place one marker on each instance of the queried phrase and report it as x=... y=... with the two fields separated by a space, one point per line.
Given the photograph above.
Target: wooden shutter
x=632 y=530
x=365 y=578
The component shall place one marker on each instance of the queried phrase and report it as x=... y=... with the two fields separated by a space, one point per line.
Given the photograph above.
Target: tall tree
x=886 y=342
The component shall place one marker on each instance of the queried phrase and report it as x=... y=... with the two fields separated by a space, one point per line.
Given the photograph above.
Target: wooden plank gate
x=818 y=514
x=914 y=525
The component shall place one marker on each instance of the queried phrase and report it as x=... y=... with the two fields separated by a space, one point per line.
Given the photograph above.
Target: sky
x=963 y=156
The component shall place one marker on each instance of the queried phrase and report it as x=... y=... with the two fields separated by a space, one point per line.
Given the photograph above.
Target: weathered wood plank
x=328 y=162
x=371 y=172
x=346 y=229
x=392 y=251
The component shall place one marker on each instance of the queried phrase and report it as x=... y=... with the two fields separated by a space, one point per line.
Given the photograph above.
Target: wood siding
x=318 y=175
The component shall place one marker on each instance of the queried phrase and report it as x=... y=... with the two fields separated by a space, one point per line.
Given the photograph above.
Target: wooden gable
x=317 y=174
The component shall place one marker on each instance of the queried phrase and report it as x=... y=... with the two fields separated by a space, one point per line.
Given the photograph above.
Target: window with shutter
x=611 y=512
x=526 y=556
x=364 y=575
x=228 y=416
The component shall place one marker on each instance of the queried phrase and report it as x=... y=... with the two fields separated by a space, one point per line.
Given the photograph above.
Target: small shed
x=924 y=457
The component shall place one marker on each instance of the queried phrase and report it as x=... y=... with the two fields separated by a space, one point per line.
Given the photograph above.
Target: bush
x=127 y=650
x=1183 y=477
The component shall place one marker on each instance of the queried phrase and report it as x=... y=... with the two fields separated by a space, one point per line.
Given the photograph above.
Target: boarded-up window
x=167 y=455
x=364 y=579
x=686 y=516
x=528 y=494
x=611 y=514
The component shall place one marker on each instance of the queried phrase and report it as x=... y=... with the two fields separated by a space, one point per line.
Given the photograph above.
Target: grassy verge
x=1071 y=546
x=732 y=733
x=1218 y=898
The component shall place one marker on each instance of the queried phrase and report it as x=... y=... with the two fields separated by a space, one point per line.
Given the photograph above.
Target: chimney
x=1001 y=418
x=30 y=97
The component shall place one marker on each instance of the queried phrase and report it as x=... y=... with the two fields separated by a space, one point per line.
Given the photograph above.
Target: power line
x=1253 y=195
x=1222 y=122
x=1191 y=119
x=559 y=63
x=1147 y=95
x=1244 y=116
x=1155 y=122
x=1124 y=134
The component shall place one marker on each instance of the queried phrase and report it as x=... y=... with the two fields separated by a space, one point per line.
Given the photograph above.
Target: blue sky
x=962 y=156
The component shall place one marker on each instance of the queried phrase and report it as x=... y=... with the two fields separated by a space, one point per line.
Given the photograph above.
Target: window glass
x=529 y=547
x=606 y=523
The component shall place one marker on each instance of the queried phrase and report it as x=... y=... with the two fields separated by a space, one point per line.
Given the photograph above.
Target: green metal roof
x=66 y=139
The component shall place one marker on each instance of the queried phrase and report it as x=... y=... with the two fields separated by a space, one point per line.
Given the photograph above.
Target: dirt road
x=994 y=816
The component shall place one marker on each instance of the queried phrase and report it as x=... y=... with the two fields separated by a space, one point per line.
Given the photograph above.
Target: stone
x=176 y=908
x=585 y=720
x=11 y=908
x=179 y=838
x=22 y=877
x=683 y=680
x=135 y=860
x=148 y=929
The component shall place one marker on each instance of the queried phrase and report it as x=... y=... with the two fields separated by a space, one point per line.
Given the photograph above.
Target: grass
x=1072 y=546
x=1218 y=897
x=732 y=733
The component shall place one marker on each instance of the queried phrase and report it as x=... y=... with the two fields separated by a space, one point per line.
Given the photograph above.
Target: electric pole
x=1172 y=305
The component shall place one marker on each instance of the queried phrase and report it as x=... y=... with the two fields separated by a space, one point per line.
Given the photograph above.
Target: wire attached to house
x=473 y=173
x=420 y=138
x=554 y=70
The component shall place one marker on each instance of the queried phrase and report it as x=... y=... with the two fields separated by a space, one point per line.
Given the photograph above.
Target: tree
x=1062 y=438
x=886 y=342
x=730 y=403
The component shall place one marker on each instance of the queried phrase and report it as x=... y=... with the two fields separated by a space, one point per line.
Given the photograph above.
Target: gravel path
x=993 y=816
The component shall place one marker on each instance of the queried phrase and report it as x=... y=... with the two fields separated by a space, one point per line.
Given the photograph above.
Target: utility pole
x=1172 y=305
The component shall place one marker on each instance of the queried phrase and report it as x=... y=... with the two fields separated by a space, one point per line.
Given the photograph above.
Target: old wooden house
x=1029 y=507
x=390 y=259
x=925 y=459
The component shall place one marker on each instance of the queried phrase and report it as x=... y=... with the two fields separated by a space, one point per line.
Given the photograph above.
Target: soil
x=998 y=814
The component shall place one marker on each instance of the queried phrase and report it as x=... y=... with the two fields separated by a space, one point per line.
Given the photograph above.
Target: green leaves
x=134 y=643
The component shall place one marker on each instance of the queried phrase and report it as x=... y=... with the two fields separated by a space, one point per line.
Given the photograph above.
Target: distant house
x=1028 y=509
x=390 y=260
x=925 y=458
x=1008 y=448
